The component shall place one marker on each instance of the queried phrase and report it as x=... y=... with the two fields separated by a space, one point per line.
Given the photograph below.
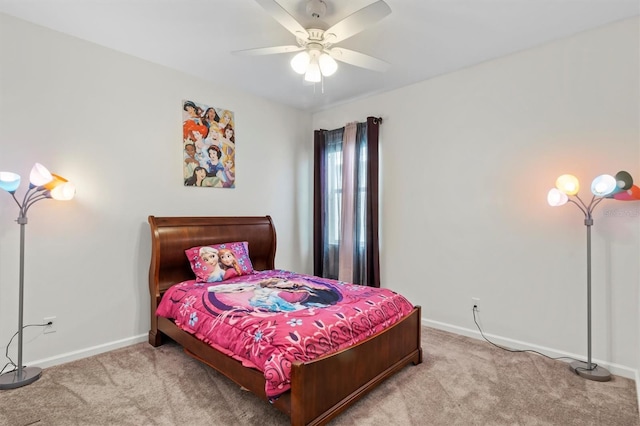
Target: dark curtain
x=327 y=201
x=327 y=229
x=372 y=205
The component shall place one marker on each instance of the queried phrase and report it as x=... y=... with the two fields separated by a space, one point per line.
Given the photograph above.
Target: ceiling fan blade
x=358 y=59
x=268 y=50
x=358 y=21
x=283 y=17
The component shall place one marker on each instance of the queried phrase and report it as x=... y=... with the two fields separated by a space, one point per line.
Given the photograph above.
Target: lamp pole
x=588 y=223
x=588 y=370
x=22 y=376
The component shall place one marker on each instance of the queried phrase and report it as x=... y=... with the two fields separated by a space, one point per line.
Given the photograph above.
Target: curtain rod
x=376 y=120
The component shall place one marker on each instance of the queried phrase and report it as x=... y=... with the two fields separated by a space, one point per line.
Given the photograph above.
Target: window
x=334 y=196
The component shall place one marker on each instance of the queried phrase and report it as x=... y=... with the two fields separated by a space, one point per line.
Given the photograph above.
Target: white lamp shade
x=556 y=198
x=328 y=65
x=313 y=73
x=39 y=175
x=300 y=62
x=64 y=192
x=9 y=181
x=568 y=184
x=604 y=185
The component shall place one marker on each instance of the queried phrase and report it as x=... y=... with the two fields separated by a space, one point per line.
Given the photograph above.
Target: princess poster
x=208 y=146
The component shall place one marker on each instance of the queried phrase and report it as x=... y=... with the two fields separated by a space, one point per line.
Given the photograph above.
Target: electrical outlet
x=51 y=328
x=475 y=302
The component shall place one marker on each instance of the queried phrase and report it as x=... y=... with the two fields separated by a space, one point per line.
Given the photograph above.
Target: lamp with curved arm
x=43 y=185
x=602 y=187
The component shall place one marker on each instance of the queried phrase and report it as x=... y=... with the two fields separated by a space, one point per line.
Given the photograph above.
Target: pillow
x=219 y=262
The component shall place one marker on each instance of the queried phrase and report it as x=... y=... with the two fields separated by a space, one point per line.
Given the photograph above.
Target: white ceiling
x=420 y=38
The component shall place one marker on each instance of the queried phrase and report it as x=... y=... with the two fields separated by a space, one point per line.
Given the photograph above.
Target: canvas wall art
x=208 y=146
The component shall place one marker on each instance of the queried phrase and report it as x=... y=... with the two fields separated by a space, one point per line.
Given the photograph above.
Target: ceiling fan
x=317 y=56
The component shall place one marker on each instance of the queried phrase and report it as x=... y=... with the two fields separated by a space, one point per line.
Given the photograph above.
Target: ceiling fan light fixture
x=328 y=65
x=313 y=74
x=300 y=62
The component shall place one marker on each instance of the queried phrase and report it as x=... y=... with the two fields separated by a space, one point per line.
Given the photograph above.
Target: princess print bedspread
x=272 y=318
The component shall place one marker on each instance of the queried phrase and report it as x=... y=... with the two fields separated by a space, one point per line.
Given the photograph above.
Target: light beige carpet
x=462 y=381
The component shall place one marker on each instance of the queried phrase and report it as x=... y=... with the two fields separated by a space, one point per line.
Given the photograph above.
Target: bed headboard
x=171 y=236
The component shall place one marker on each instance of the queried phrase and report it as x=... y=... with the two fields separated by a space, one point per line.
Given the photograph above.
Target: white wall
x=112 y=124
x=468 y=159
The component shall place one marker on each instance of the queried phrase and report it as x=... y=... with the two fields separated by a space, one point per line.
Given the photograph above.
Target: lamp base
x=11 y=380
x=596 y=373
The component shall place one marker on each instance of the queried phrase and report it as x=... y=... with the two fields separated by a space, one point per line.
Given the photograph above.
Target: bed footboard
x=323 y=388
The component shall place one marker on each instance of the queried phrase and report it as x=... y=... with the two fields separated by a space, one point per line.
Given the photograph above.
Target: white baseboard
x=617 y=369
x=84 y=353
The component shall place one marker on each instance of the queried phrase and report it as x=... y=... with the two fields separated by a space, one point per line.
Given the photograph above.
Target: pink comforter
x=271 y=318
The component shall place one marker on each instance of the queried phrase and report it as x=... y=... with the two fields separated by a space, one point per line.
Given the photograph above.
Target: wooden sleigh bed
x=320 y=389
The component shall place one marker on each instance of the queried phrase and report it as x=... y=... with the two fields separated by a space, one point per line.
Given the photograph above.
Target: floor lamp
x=43 y=185
x=603 y=187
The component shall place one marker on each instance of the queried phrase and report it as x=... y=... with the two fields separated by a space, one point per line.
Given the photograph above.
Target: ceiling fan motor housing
x=316 y=8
